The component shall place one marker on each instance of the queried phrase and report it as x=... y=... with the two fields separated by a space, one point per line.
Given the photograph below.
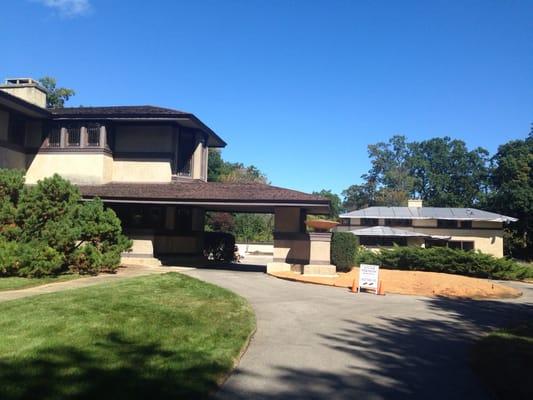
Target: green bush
x=37 y=259
x=443 y=259
x=343 y=250
x=87 y=259
x=46 y=229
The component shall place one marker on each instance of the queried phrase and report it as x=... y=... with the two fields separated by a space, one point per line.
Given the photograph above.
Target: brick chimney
x=415 y=203
x=27 y=89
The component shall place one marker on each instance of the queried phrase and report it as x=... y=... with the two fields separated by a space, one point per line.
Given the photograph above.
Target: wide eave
x=215 y=196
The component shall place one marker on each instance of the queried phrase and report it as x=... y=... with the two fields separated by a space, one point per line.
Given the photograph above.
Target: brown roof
x=213 y=195
x=117 y=111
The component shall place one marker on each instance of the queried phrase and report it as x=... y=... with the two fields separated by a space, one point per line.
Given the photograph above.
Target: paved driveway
x=317 y=342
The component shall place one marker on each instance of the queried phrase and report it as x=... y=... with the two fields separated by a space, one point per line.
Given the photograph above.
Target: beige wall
x=29 y=93
x=80 y=168
x=425 y=223
x=156 y=171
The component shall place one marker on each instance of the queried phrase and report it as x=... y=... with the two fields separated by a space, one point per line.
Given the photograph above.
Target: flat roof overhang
x=223 y=206
x=211 y=196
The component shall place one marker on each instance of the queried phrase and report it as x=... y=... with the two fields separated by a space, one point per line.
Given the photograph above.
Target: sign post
x=368 y=277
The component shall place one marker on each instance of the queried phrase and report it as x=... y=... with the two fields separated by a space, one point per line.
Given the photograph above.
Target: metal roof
x=387 y=231
x=462 y=214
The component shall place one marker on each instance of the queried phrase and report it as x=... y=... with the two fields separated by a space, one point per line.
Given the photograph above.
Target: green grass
x=504 y=361
x=163 y=336
x=15 y=282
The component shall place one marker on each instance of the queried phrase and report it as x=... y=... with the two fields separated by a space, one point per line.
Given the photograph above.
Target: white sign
x=368 y=277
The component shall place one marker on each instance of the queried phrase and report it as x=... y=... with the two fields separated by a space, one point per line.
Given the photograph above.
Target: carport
x=167 y=219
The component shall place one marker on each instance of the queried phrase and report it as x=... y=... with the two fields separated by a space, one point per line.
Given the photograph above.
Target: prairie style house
x=149 y=164
x=415 y=225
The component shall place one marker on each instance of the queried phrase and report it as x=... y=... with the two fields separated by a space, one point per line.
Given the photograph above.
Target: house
x=149 y=164
x=415 y=225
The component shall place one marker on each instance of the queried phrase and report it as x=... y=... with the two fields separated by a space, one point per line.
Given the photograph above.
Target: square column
x=319 y=255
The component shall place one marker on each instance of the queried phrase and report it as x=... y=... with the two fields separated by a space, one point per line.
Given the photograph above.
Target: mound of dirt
x=416 y=283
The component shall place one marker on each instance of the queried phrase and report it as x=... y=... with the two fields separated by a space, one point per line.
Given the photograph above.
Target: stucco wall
x=158 y=171
x=80 y=168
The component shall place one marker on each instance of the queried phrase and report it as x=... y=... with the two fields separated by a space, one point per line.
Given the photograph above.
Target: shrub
x=443 y=259
x=36 y=259
x=87 y=259
x=46 y=229
x=219 y=246
x=343 y=250
x=9 y=260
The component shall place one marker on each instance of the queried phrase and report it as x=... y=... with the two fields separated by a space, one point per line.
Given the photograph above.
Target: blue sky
x=297 y=88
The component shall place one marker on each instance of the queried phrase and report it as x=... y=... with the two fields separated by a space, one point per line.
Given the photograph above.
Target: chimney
x=26 y=89
x=415 y=203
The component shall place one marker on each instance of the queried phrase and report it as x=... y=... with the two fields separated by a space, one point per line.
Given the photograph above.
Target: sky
x=298 y=88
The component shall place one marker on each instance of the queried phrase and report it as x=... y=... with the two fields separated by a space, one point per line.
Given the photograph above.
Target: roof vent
x=415 y=203
x=27 y=89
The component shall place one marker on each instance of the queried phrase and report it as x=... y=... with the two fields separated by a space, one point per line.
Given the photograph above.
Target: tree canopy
x=56 y=96
x=440 y=171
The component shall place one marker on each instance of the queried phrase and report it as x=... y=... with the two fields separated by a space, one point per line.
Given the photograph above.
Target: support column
x=319 y=255
x=291 y=243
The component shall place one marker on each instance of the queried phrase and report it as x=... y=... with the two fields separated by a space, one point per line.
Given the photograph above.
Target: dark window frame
x=405 y=222
x=369 y=221
x=92 y=130
x=382 y=241
x=447 y=223
x=73 y=129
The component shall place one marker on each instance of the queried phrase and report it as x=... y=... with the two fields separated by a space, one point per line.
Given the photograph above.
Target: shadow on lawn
x=112 y=369
x=401 y=358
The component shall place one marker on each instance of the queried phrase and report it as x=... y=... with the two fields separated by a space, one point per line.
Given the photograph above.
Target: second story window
x=397 y=222
x=54 y=136
x=186 y=146
x=93 y=135
x=73 y=135
x=369 y=221
x=447 y=223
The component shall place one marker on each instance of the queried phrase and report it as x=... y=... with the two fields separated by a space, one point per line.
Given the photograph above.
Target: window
x=466 y=224
x=186 y=145
x=369 y=221
x=93 y=135
x=382 y=241
x=461 y=245
x=447 y=223
x=397 y=222
x=73 y=135
x=54 y=136
x=138 y=217
x=345 y=221
x=435 y=243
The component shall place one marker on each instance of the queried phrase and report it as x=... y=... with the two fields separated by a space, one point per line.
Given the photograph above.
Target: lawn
x=15 y=282
x=504 y=361
x=163 y=336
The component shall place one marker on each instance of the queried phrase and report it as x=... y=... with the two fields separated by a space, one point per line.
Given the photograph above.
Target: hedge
x=343 y=250
x=443 y=259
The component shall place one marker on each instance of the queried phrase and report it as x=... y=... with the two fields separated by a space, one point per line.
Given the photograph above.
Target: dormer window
x=93 y=135
x=73 y=135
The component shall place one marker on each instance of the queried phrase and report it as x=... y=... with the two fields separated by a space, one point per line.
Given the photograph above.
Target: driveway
x=318 y=342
